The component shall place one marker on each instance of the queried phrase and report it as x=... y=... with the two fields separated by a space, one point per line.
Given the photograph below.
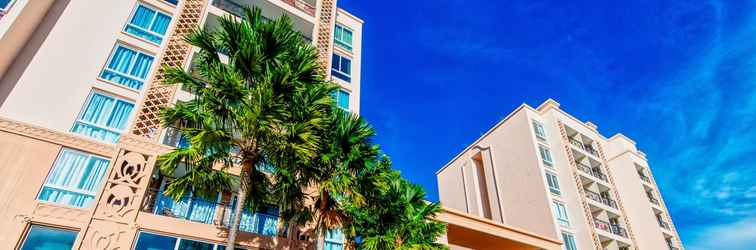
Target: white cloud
x=740 y=235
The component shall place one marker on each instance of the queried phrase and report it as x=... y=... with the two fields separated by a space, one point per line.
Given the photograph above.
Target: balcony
x=595 y=172
x=598 y=198
x=652 y=199
x=610 y=228
x=174 y=138
x=236 y=8
x=618 y=230
x=644 y=177
x=207 y=212
x=585 y=147
x=663 y=224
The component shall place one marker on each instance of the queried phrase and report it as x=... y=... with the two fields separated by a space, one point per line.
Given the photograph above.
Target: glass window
x=103 y=117
x=545 y=155
x=553 y=183
x=127 y=67
x=342 y=99
x=341 y=67
x=539 y=131
x=569 y=241
x=334 y=240
x=148 y=23
x=194 y=245
x=48 y=238
x=342 y=36
x=560 y=211
x=148 y=241
x=74 y=179
x=5 y=4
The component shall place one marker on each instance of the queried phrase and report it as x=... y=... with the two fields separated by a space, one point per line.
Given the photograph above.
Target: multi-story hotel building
x=79 y=132
x=545 y=172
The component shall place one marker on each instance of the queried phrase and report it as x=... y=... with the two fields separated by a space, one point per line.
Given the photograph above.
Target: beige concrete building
x=79 y=132
x=545 y=172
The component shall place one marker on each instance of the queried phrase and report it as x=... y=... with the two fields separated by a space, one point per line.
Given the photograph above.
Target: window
x=560 y=211
x=103 y=117
x=342 y=36
x=553 y=183
x=5 y=5
x=150 y=241
x=74 y=179
x=342 y=99
x=48 y=238
x=341 y=67
x=545 y=155
x=539 y=131
x=569 y=241
x=148 y=23
x=334 y=240
x=127 y=67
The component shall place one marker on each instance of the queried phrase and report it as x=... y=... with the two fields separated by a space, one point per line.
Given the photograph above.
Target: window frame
x=571 y=243
x=152 y=22
x=32 y=225
x=539 y=130
x=339 y=92
x=554 y=190
x=340 y=73
x=544 y=151
x=560 y=209
x=86 y=105
x=339 y=41
x=131 y=66
x=90 y=157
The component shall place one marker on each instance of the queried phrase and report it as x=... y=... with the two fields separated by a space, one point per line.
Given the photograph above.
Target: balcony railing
x=207 y=212
x=663 y=224
x=591 y=171
x=618 y=230
x=603 y=225
x=174 y=138
x=653 y=200
x=596 y=197
x=644 y=177
x=237 y=9
x=585 y=147
x=611 y=228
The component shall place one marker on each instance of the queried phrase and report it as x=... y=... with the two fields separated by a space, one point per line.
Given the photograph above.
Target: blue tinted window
x=47 y=238
x=341 y=67
x=148 y=241
x=194 y=245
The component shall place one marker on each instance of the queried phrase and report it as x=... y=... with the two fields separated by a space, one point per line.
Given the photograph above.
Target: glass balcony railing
x=618 y=230
x=644 y=177
x=174 y=138
x=208 y=212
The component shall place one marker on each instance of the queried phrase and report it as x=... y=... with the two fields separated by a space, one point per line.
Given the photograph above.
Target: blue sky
x=679 y=77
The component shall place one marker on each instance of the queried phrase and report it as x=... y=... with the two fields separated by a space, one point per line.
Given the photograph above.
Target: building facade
x=79 y=131
x=545 y=172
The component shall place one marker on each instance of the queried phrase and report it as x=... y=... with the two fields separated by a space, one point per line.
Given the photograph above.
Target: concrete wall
x=514 y=180
x=49 y=80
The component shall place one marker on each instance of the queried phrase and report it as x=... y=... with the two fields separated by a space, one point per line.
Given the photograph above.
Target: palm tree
x=262 y=106
x=347 y=148
x=397 y=216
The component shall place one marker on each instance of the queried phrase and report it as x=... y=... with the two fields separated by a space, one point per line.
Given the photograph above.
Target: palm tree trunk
x=239 y=207
x=321 y=239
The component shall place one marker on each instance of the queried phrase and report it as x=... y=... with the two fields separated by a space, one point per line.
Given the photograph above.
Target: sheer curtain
x=148 y=24
x=74 y=179
x=104 y=118
x=128 y=67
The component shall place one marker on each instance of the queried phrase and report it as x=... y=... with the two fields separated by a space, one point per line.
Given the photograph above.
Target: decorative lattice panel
x=326 y=18
x=574 y=170
x=177 y=52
